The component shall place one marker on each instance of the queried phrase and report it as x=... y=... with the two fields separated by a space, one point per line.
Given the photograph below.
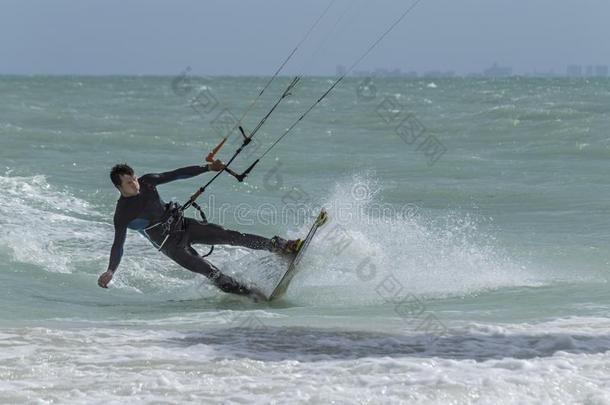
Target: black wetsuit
x=147 y=209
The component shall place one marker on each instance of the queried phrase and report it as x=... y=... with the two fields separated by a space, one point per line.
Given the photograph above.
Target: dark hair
x=117 y=171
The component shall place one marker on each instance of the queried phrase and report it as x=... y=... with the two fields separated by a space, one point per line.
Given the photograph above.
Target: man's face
x=129 y=185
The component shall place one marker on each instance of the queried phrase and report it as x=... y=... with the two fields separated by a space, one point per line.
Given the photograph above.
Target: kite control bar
x=247 y=140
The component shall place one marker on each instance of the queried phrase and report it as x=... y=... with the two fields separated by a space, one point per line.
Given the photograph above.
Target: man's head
x=124 y=178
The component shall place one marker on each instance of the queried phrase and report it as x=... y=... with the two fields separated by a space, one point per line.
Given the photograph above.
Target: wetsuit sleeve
x=178 y=174
x=116 y=253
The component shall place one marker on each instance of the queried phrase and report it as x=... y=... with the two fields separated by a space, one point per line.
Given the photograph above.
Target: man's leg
x=212 y=234
x=188 y=258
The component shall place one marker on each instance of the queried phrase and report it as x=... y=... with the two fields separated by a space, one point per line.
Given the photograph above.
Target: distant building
x=341 y=70
x=588 y=71
x=574 y=71
x=498 y=71
x=601 y=70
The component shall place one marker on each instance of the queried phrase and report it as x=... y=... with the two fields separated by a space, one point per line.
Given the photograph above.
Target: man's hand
x=216 y=166
x=105 y=279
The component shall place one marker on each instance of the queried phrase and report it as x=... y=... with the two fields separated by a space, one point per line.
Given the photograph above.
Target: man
x=141 y=208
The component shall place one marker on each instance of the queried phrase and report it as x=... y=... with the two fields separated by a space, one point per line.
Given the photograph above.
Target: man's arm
x=182 y=173
x=178 y=174
x=116 y=253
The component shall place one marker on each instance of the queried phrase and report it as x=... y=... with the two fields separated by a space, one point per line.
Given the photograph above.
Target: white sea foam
x=43 y=226
x=403 y=245
x=477 y=363
x=60 y=233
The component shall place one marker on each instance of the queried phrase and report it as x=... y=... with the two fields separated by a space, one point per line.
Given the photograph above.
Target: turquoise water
x=499 y=242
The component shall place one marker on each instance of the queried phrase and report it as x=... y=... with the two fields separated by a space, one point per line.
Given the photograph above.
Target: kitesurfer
x=141 y=208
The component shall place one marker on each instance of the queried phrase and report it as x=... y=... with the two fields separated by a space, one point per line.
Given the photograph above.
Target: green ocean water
x=480 y=203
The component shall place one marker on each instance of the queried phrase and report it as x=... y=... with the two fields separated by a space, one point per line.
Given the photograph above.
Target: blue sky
x=252 y=36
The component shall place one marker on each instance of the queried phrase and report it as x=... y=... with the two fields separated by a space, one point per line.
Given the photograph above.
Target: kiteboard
x=293 y=266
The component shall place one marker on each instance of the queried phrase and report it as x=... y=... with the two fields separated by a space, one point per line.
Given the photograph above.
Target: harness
x=171 y=220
